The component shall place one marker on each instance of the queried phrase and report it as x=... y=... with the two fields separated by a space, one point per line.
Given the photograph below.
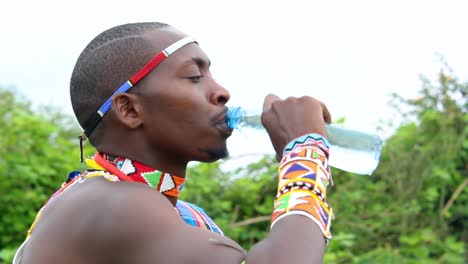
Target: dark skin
x=175 y=117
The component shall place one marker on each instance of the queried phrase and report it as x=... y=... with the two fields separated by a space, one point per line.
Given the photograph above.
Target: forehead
x=162 y=39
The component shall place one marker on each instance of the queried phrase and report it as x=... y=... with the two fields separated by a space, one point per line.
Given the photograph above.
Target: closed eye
x=195 y=79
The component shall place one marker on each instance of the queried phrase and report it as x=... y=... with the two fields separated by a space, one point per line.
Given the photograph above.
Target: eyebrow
x=200 y=62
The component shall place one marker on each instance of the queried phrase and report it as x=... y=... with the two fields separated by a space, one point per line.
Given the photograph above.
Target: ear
x=127 y=109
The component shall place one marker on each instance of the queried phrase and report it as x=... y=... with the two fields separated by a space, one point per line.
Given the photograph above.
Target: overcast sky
x=350 y=54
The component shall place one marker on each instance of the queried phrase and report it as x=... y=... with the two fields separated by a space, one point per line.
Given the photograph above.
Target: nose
x=219 y=94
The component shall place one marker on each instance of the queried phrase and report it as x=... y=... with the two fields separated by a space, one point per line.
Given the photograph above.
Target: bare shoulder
x=157 y=232
x=119 y=222
x=90 y=215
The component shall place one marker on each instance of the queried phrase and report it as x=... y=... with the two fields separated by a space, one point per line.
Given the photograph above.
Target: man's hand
x=291 y=118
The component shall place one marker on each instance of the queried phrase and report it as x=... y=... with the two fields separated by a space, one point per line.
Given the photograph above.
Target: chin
x=212 y=155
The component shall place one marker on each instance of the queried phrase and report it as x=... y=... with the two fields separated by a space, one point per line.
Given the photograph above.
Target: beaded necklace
x=122 y=169
x=134 y=171
x=166 y=183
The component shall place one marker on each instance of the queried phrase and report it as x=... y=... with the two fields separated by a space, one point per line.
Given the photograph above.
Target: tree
x=411 y=210
x=37 y=151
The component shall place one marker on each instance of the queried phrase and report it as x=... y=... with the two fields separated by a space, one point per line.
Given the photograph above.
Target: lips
x=222 y=126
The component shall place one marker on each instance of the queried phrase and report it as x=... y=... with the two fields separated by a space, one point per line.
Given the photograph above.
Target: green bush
x=411 y=210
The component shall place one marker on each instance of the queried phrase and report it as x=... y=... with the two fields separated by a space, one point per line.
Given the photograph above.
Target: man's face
x=184 y=107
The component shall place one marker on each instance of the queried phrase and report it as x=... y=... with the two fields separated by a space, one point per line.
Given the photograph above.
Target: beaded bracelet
x=306 y=203
x=308 y=162
x=304 y=176
x=308 y=139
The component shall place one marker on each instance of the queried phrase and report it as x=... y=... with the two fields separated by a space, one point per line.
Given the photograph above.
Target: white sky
x=350 y=54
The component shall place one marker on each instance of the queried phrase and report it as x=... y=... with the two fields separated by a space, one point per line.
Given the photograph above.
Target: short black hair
x=109 y=60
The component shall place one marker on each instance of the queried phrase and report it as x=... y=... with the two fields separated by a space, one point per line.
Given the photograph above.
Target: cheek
x=180 y=105
x=182 y=117
x=180 y=95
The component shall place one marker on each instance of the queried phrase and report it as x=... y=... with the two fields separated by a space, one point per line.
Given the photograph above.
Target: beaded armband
x=304 y=176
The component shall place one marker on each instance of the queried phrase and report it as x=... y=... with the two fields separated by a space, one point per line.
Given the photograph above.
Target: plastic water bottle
x=350 y=150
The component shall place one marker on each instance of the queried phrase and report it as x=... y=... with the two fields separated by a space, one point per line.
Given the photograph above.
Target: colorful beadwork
x=304 y=176
x=190 y=213
x=306 y=203
x=310 y=151
x=309 y=139
x=166 y=183
x=196 y=216
x=133 y=171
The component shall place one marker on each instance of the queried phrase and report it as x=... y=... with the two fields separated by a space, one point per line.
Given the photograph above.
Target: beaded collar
x=134 y=171
x=166 y=183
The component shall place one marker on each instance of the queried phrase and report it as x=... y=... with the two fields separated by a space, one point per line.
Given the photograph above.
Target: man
x=144 y=94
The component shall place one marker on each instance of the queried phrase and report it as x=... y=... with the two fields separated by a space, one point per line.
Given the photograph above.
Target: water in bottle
x=350 y=150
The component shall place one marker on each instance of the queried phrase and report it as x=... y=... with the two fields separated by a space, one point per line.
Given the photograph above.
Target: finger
x=326 y=114
x=268 y=100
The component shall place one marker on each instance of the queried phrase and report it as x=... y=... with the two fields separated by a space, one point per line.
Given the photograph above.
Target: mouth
x=222 y=125
x=224 y=129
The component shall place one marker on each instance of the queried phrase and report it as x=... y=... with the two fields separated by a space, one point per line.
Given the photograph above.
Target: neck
x=141 y=152
x=162 y=164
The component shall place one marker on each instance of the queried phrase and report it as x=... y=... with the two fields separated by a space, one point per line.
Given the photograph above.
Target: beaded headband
x=155 y=61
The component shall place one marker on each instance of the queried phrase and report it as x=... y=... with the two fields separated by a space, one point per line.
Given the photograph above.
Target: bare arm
x=159 y=235
x=131 y=223
x=295 y=238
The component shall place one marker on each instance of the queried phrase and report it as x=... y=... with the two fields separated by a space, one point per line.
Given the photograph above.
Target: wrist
x=308 y=149
x=304 y=177
x=308 y=139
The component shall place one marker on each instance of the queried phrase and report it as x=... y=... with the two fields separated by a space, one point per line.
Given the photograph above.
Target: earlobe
x=127 y=109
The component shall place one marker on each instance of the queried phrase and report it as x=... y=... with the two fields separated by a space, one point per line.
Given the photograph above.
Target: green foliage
x=233 y=197
x=412 y=210
x=37 y=151
x=401 y=214
x=404 y=211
